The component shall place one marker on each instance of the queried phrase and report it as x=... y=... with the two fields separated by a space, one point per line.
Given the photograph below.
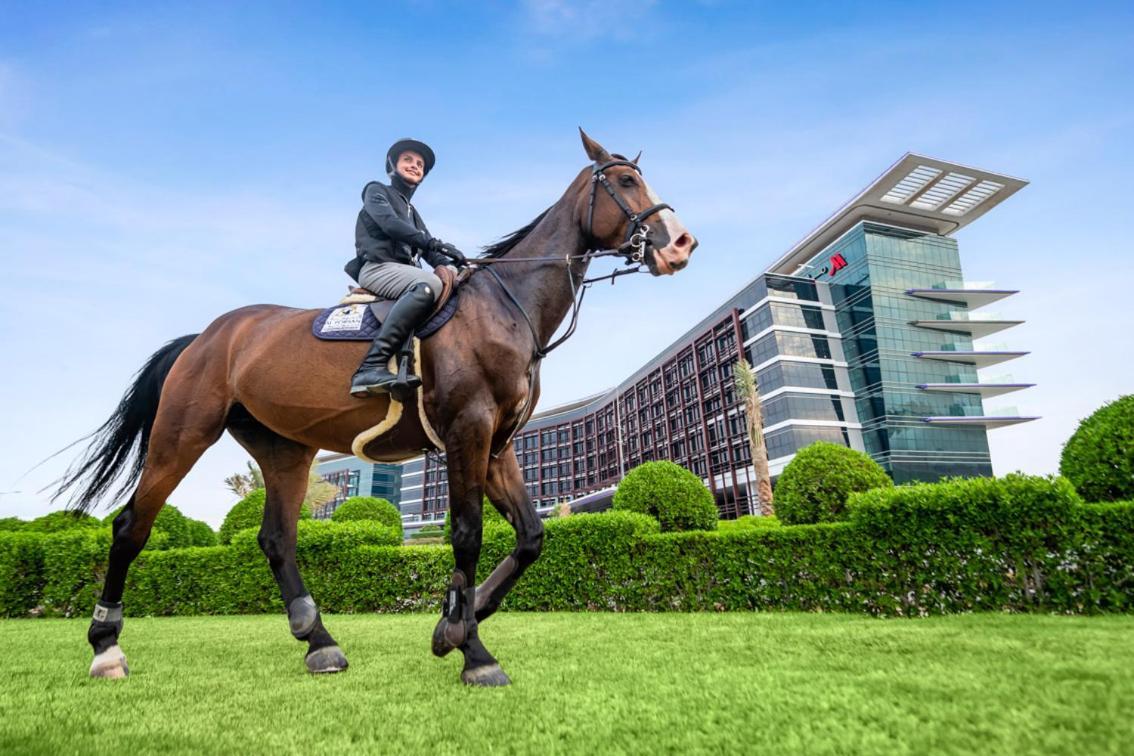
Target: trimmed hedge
x=1099 y=458
x=669 y=492
x=63 y=520
x=816 y=485
x=1016 y=544
x=369 y=508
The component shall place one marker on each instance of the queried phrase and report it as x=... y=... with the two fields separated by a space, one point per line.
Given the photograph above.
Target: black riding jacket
x=389 y=228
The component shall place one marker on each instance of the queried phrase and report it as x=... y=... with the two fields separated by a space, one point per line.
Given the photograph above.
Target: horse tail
x=120 y=444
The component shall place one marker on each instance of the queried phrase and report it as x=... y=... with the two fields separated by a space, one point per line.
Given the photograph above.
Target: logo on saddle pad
x=348 y=318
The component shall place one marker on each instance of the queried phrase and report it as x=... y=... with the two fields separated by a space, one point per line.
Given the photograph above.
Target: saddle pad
x=356 y=322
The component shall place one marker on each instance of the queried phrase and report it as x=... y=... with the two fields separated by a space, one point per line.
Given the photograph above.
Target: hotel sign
x=836 y=263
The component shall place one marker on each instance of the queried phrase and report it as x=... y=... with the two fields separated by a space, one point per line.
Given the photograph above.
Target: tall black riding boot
x=412 y=308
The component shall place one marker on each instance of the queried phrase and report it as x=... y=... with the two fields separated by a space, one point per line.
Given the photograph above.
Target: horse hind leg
x=182 y=431
x=286 y=465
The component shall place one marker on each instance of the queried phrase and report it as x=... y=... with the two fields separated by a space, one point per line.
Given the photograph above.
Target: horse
x=480 y=376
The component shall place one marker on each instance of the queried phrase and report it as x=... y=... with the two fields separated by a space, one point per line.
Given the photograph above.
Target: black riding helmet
x=400 y=146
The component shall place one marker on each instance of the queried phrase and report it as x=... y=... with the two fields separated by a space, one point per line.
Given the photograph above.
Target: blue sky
x=160 y=166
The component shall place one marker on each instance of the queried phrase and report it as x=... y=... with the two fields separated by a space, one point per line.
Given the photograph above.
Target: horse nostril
x=683 y=241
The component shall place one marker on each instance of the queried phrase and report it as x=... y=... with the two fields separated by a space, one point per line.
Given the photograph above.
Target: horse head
x=620 y=211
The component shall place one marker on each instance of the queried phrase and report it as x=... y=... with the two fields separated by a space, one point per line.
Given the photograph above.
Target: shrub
x=169 y=521
x=60 y=521
x=1015 y=544
x=815 y=485
x=749 y=522
x=11 y=524
x=200 y=534
x=369 y=508
x=21 y=572
x=670 y=493
x=249 y=513
x=489 y=515
x=1099 y=458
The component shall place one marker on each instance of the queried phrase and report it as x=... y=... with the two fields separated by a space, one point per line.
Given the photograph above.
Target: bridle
x=633 y=247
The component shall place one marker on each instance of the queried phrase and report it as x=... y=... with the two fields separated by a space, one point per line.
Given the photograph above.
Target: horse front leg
x=507 y=492
x=467 y=452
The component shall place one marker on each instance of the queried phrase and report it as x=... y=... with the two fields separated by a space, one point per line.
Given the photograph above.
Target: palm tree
x=243 y=484
x=750 y=393
x=319 y=493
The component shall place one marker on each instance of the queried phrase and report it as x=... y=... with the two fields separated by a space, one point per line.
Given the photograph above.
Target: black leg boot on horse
x=373 y=375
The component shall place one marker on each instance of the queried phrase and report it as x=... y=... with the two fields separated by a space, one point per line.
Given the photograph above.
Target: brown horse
x=258 y=373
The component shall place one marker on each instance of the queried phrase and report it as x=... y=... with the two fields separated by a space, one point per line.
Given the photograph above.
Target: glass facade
x=875 y=318
x=354 y=477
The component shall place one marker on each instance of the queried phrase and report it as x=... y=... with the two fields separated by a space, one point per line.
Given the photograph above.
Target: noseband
x=633 y=247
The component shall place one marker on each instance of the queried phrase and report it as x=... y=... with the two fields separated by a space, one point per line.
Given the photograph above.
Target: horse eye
x=627 y=181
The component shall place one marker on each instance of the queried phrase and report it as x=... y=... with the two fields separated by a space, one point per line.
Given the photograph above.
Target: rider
x=389 y=237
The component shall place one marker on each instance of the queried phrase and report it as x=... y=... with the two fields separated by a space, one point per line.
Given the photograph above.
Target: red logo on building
x=838 y=262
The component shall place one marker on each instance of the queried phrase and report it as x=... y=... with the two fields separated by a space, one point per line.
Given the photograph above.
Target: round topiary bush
x=62 y=520
x=816 y=484
x=1099 y=458
x=369 y=508
x=670 y=493
x=200 y=534
x=169 y=521
x=249 y=513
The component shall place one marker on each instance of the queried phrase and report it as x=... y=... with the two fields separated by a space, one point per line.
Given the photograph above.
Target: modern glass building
x=863 y=334
x=354 y=477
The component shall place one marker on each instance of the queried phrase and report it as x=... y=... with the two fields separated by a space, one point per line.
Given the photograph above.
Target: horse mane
x=507 y=243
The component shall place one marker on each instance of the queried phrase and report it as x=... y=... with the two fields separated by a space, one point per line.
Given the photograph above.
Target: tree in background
x=750 y=392
x=243 y=484
x=1099 y=458
x=319 y=493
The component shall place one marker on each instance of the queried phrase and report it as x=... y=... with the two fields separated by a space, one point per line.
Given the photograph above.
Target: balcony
x=978 y=326
x=971 y=297
x=986 y=421
x=979 y=359
x=985 y=390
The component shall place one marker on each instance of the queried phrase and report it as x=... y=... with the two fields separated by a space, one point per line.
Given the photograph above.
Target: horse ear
x=595 y=151
x=635 y=160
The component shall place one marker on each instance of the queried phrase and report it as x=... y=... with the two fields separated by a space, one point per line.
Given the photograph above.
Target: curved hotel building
x=862 y=334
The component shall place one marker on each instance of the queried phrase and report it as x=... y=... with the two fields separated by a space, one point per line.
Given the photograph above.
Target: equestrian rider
x=389 y=238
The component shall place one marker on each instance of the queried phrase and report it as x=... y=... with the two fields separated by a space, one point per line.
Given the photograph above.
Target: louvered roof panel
x=917 y=192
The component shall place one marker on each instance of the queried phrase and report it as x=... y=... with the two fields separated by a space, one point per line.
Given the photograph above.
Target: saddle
x=381 y=307
x=359 y=315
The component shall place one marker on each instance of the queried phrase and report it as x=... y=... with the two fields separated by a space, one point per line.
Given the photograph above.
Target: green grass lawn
x=583 y=683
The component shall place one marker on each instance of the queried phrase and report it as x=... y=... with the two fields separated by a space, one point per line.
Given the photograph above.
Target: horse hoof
x=326 y=660
x=447 y=636
x=110 y=664
x=488 y=676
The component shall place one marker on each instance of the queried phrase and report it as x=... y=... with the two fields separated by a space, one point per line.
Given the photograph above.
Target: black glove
x=448 y=250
